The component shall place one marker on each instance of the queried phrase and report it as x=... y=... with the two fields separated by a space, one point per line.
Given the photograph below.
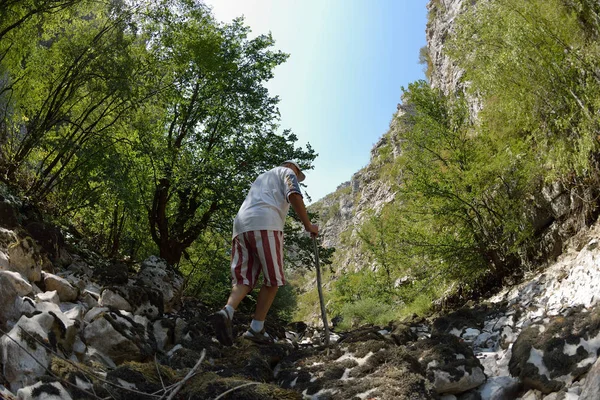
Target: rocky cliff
x=557 y=212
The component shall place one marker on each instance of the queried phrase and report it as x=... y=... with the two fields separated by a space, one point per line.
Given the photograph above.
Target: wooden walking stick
x=323 y=312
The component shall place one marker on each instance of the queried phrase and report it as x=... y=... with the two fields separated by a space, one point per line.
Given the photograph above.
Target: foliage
x=218 y=130
x=141 y=125
x=467 y=187
x=300 y=246
x=425 y=60
x=285 y=303
x=366 y=311
x=534 y=64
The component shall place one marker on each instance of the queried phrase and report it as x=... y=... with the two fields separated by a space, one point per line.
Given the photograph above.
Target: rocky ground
x=76 y=326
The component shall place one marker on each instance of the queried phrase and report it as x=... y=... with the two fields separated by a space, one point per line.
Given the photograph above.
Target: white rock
x=25 y=305
x=110 y=298
x=49 y=297
x=499 y=388
x=24 y=360
x=93 y=355
x=27 y=393
x=73 y=311
x=155 y=273
x=66 y=292
x=4 y=262
x=590 y=389
x=94 y=290
x=21 y=285
x=112 y=335
x=470 y=334
x=481 y=340
x=443 y=382
x=161 y=334
x=24 y=259
x=552 y=396
x=79 y=348
x=88 y=299
x=92 y=313
x=9 y=307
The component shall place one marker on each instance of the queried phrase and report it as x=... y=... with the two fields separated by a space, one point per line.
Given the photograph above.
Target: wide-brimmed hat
x=301 y=175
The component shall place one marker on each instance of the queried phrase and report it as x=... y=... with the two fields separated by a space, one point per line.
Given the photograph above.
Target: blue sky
x=340 y=87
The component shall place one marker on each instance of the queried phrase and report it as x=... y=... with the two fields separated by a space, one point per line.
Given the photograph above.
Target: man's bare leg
x=238 y=292
x=266 y=295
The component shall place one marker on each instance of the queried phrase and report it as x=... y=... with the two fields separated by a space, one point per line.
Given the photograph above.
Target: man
x=258 y=246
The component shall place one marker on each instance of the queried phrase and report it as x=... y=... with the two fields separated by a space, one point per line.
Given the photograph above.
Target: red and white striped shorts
x=255 y=251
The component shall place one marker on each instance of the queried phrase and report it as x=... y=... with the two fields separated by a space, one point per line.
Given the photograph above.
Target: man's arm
x=300 y=209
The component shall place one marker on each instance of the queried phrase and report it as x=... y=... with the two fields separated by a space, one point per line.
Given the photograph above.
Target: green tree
x=66 y=91
x=218 y=130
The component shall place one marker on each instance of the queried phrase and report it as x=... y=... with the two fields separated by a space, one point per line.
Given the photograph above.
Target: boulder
x=8 y=308
x=164 y=332
x=48 y=297
x=155 y=273
x=591 y=387
x=449 y=364
x=146 y=301
x=112 y=298
x=44 y=391
x=21 y=254
x=500 y=388
x=548 y=357
x=3 y=260
x=24 y=358
x=66 y=292
x=63 y=332
x=21 y=285
x=116 y=335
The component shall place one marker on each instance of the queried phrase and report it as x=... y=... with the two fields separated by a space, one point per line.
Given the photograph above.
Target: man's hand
x=313 y=229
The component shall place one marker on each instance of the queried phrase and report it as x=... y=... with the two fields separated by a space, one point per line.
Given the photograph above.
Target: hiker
x=258 y=246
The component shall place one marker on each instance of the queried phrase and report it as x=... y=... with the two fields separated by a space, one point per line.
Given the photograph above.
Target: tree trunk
x=171 y=251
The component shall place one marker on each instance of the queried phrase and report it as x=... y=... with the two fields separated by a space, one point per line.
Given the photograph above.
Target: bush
x=284 y=304
x=366 y=311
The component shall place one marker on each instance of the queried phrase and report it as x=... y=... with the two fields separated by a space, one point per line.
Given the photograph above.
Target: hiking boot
x=222 y=326
x=261 y=337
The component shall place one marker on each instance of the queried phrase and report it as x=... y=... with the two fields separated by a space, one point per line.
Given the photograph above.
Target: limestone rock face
x=445 y=74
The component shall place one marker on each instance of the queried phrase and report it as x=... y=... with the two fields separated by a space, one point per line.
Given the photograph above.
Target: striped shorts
x=256 y=251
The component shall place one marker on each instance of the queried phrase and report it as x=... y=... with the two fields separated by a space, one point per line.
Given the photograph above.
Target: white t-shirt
x=267 y=202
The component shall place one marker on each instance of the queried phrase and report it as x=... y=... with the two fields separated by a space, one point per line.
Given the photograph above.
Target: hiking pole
x=320 y=289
